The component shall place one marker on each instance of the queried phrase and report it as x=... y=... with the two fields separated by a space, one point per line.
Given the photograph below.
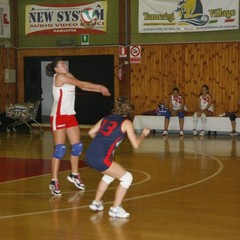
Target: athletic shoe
x=233 y=134
x=194 y=132
x=165 y=133
x=75 y=179
x=96 y=206
x=181 y=133
x=54 y=188
x=118 y=212
x=202 y=133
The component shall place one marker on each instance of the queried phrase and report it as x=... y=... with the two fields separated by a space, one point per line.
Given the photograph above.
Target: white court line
x=37 y=176
x=148 y=177
x=128 y=199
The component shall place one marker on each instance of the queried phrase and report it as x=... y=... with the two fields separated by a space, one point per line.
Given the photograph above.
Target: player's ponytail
x=50 y=67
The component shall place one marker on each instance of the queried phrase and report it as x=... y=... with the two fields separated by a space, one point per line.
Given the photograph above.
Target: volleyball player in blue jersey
x=107 y=134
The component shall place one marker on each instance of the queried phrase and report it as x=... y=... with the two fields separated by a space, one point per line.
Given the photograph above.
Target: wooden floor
x=184 y=189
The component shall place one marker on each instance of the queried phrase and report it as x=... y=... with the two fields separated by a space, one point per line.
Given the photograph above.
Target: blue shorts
x=98 y=163
x=169 y=114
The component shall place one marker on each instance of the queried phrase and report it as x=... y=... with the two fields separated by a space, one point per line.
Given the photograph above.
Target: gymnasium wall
x=8 y=91
x=188 y=67
x=8 y=60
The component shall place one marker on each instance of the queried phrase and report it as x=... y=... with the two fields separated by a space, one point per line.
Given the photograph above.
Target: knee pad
x=167 y=114
x=77 y=149
x=232 y=117
x=126 y=180
x=195 y=117
x=107 y=179
x=60 y=150
x=203 y=115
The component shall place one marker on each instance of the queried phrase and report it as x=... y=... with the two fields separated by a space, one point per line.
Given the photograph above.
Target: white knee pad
x=126 y=180
x=195 y=116
x=107 y=179
x=203 y=115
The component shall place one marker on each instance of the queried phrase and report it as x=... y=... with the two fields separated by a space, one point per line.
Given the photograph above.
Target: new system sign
x=60 y=19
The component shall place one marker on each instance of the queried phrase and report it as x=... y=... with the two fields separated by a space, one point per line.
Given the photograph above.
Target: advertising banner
x=157 y=16
x=66 y=19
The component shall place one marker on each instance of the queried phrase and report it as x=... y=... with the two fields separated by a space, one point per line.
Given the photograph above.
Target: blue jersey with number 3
x=100 y=152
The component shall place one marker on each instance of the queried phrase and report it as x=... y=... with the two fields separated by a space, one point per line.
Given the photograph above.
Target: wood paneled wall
x=188 y=67
x=8 y=91
x=162 y=67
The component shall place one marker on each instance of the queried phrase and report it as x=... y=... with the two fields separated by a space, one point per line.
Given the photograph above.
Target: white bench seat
x=218 y=124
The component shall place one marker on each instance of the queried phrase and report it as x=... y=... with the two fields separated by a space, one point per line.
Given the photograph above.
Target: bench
x=215 y=124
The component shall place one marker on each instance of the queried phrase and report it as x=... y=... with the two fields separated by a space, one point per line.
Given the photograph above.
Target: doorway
x=89 y=106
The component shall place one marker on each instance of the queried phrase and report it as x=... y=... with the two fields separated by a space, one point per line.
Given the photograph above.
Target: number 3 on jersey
x=108 y=127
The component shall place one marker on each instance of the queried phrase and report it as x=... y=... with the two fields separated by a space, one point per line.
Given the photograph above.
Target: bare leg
x=59 y=138
x=115 y=171
x=233 y=124
x=181 y=122
x=73 y=134
x=119 y=195
x=102 y=187
x=55 y=167
x=166 y=123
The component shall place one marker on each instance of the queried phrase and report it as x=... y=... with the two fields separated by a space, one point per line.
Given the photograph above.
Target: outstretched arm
x=135 y=140
x=93 y=131
x=87 y=86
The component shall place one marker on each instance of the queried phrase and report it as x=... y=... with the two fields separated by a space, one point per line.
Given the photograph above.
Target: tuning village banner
x=66 y=19
x=157 y=16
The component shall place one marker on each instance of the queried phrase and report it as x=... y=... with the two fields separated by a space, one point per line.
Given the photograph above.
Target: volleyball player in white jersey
x=176 y=108
x=63 y=121
x=205 y=108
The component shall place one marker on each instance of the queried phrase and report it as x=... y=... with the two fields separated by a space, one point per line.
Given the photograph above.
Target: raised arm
x=93 y=131
x=135 y=140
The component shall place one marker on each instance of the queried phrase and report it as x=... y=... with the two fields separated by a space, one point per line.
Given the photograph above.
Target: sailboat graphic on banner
x=191 y=12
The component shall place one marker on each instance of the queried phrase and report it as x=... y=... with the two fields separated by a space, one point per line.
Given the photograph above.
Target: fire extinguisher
x=120 y=72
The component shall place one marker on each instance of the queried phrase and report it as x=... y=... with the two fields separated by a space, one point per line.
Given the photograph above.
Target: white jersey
x=63 y=99
x=177 y=102
x=204 y=102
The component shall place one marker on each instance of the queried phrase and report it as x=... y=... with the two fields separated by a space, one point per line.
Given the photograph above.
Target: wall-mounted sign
x=122 y=51
x=66 y=19
x=135 y=54
x=187 y=16
x=84 y=39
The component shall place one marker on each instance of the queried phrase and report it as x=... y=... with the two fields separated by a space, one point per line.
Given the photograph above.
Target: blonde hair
x=123 y=107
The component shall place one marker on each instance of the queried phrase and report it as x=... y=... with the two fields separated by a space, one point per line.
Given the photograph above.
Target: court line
x=184 y=186
x=128 y=199
x=148 y=177
x=37 y=176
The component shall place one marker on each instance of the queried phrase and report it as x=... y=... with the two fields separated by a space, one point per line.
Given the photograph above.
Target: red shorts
x=63 y=121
